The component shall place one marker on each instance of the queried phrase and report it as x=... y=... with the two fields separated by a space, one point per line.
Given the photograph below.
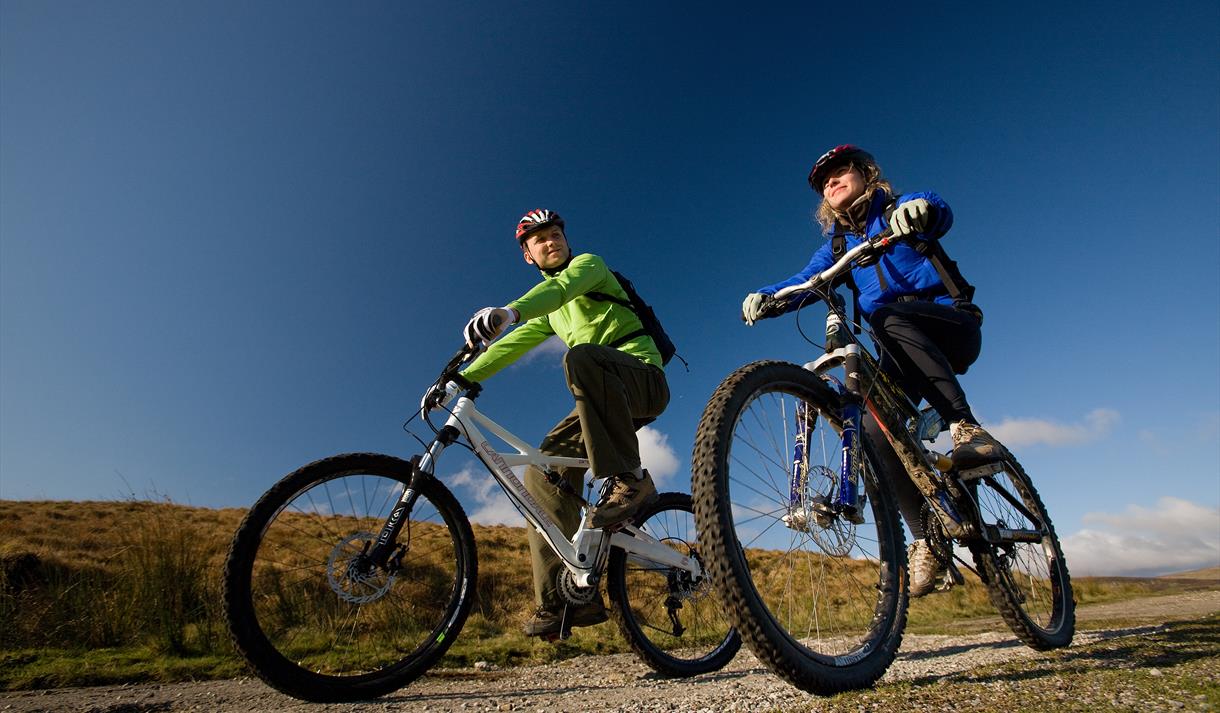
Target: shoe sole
x=594 y=620
x=650 y=500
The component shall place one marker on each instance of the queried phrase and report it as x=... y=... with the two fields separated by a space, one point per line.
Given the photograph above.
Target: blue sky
x=236 y=237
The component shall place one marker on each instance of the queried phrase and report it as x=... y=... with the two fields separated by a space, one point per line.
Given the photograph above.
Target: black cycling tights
x=923 y=345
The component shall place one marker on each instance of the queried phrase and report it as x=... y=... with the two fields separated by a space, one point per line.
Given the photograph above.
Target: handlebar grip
x=772 y=307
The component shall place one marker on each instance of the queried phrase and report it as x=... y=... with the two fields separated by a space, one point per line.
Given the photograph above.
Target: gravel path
x=611 y=683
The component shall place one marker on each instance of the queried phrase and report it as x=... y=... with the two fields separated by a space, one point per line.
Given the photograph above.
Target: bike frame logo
x=392 y=524
x=506 y=471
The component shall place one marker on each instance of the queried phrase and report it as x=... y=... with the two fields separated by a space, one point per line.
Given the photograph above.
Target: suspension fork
x=852 y=413
x=799 y=479
x=386 y=544
x=847 y=491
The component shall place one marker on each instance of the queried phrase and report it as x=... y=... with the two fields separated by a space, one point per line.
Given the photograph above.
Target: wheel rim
x=679 y=617
x=321 y=612
x=822 y=579
x=1029 y=571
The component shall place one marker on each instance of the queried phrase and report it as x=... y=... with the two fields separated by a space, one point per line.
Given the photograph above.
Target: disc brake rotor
x=352 y=576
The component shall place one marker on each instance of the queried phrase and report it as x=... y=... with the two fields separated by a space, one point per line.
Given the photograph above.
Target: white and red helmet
x=535 y=220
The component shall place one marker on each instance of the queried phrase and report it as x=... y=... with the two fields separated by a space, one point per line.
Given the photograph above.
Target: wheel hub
x=352 y=575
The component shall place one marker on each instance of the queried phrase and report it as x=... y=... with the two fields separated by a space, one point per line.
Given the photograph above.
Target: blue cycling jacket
x=906 y=271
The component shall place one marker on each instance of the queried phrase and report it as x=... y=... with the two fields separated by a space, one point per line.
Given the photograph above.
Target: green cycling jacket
x=559 y=305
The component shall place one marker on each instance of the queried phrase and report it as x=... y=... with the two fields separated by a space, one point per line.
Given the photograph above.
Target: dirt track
x=619 y=683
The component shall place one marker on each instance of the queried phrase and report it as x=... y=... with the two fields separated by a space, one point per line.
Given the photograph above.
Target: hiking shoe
x=973 y=446
x=622 y=496
x=546 y=622
x=926 y=571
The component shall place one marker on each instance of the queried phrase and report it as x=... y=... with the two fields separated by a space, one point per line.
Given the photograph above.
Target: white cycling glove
x=487 y=324
x=751 y=308
x=910 y=217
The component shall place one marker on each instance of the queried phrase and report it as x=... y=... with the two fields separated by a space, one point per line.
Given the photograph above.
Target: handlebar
x=436 y=393
x=827 y=276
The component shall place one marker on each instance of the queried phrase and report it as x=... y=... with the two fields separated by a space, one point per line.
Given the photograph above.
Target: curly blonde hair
x=873 y=182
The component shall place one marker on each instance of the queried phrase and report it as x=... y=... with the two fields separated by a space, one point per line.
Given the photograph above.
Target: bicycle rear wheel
x=1027 y=581
x=672 y=622
x=821 y=600
x=309 y=618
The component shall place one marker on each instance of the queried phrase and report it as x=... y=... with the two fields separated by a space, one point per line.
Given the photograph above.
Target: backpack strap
x=642 y=332
x=838 y=246
x=628 y=337
x=957 y=287
x=603 y=297
x=955 y=284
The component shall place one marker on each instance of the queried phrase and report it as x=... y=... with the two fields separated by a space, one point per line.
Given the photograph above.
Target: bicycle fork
x=846 y=499
x=385 y=551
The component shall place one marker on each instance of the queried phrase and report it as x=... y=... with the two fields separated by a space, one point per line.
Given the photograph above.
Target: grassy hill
x=1210 y=573
x=97 y=592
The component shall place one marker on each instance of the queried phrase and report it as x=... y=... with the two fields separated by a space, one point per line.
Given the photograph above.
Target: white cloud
x=486 y=503
x=1174 y=536
x=657 y=456
x=490 y=505
x=1208 y=428
x=550 y=350
x=1017 y=432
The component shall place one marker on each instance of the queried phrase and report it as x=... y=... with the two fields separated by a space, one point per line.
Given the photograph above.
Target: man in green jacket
x=615 y=373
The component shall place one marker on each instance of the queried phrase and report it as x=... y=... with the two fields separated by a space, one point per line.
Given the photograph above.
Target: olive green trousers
x=613 y=391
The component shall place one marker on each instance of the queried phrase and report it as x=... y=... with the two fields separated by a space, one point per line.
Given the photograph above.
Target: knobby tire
x=277 y=568
x=1027 y=582
x=806 y=658
x=638 y=596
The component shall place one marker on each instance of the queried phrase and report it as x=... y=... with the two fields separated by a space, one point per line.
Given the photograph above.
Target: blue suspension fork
x=799 y=479
x=848 y=479
x=846 y=498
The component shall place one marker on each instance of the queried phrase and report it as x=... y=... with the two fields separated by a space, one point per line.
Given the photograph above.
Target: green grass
x=56 y=668
x=106 y=592
x=1176 y=667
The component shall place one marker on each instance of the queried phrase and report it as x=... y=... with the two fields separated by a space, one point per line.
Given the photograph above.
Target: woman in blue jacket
x=927 y=330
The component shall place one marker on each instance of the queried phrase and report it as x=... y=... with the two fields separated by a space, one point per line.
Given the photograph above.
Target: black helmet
x=834 y=158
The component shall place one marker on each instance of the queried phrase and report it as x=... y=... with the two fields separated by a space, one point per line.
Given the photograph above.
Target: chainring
x=570 y=592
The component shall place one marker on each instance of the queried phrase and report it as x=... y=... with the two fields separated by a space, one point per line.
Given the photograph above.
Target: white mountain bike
x=353 y=575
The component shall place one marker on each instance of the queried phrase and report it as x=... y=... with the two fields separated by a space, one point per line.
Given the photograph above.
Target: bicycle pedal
x=952 y=578
x=981 y=471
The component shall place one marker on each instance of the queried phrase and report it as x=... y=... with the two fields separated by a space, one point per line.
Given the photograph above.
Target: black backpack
x=648 y=318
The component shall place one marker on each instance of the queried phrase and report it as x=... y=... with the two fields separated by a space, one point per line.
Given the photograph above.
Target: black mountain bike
x=803 y=538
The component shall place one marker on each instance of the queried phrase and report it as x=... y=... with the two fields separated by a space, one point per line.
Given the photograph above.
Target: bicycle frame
x=583 y=554
x=867 y=386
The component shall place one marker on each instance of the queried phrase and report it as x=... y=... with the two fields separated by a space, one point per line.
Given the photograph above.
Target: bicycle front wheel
x=673 y=622
x=1025 y=572
x=818 y=595
x=306 y=611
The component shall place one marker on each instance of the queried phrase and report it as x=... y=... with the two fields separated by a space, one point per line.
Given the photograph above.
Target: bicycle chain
x=939 y=542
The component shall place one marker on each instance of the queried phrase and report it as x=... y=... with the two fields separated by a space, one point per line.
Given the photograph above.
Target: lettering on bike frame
x=580 y=554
